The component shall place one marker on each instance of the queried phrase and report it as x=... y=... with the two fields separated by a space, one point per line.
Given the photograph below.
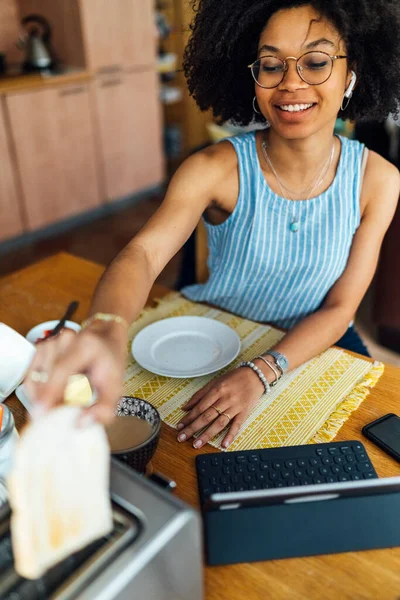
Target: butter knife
x=67 y=315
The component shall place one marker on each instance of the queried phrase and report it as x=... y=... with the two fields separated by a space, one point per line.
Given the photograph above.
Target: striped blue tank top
x=259 y=268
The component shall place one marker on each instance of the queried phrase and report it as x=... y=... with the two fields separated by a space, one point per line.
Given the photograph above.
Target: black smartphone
x=385 y=433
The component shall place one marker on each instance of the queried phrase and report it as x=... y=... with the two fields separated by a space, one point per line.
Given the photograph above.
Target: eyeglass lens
x=314 y=68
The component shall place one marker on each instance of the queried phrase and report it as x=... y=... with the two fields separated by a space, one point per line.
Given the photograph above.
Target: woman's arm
x=239 y=391
x=100 y=349
x=322 y=329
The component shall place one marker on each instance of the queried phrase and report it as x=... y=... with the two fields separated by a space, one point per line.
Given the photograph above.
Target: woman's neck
x=298 y=160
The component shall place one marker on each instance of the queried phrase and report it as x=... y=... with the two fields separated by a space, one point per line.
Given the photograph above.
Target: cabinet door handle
x=109 y=69
x=73 y=91
x=111 y=83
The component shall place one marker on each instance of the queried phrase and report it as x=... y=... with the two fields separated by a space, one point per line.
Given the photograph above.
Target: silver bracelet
x=258 y=372
x=277 y=373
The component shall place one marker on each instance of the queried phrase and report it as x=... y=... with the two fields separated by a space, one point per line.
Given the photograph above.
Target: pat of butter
x=78 y=391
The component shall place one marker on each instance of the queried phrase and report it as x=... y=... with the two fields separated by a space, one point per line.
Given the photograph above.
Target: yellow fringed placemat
x=309 y=405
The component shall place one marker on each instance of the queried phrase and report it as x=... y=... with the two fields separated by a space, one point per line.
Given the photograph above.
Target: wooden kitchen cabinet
x=10 y=210
x=130 y=131
x=119 y=34
x=54 y=143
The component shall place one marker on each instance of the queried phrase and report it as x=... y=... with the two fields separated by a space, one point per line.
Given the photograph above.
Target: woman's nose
x=292 y=80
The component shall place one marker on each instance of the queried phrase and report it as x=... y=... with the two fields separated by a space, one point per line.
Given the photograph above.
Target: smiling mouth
x=295 y=108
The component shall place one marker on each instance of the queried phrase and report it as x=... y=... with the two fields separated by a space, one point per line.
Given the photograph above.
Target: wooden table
x=42 y=291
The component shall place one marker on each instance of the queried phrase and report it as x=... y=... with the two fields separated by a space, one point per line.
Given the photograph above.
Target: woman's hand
x=226 y=401
x=98 y=352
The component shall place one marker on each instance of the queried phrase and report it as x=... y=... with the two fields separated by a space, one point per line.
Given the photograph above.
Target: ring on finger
x=39 y=376
x=226 y=415
x=217 y=409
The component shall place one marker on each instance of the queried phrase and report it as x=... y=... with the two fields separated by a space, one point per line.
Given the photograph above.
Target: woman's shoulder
x=381 y=185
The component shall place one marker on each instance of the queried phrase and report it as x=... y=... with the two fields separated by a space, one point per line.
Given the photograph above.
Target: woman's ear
x=351 y=85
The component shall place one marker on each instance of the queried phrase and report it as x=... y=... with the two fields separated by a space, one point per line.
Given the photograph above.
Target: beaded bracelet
x=104 y=317
x=277 y=374
x=258 y=372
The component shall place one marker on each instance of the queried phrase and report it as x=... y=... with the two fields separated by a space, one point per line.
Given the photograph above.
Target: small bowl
x=138 y=456
x=39 y=331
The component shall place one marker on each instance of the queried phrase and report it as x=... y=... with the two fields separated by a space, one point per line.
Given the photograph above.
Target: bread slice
x=59 y=490
x=78 y=391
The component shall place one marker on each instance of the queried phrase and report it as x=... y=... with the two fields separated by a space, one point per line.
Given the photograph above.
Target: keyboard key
x=290 y=464
x=362 y=457
x=253 y=458
x=248 y=478
x=320 y=451
x=339 y=460
x=319 y=480
x=327 y=460
x=213 y=481
x=369 y=476
x=224 y=480
x=228 y=488
x=350 y=458
x=240 y=469
x=364 y=467
x=314 y=462
x=302 y=463
x=335 y=470
x=356 y=476
x=227 y=470
x=323 y=471
x=252 y=468
x=227 y=460
x=267 y=486
x=261 y=477
x=207 y=491
x=264 y=467
x=349 y=468
x=333 y=451
x=311 y=472
x=306 y=482
x=240 y=459
x=345 y=449
x=344 y=478
x=253 y=486
x=286 y=474
x=202 y=462
x=236 y=478
x=280 y=484
x=299 y=473
x=216 y=461
x=273 y=475
x=278 y=465
x=203 y=472
x=242 y=488
x=291 y=482
x=331 y=479
x=357 y=448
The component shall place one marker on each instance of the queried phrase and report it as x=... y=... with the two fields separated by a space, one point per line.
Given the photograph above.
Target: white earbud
x=349 y=92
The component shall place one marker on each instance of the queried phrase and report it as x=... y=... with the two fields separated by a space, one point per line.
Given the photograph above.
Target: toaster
x=154 y=551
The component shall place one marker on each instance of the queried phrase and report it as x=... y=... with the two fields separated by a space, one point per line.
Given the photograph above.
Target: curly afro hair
x=224 y=40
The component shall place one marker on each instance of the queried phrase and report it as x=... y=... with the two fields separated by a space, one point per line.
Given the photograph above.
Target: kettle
x=36 y=44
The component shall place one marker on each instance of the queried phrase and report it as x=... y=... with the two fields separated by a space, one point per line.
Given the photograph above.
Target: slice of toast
x=59 y=490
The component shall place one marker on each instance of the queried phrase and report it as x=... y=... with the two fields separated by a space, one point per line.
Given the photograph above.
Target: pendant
x=295 y=226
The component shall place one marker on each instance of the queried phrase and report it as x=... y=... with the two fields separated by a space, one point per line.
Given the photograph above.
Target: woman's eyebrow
x=310 y=46
x=319 y=42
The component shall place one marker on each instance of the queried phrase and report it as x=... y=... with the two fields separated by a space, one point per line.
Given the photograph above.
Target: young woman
x=295 y=215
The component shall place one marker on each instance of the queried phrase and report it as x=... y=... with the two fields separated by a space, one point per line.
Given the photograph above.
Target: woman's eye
x=268 y=69
x=316 y=66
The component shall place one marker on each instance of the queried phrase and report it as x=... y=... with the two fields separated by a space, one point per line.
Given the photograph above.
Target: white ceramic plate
x=39 y=330
x=185 y=346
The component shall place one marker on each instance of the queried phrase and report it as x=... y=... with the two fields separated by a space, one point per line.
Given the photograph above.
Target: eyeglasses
x=313 y=67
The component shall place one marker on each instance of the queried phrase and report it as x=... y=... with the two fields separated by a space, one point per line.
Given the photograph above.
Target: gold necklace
x=295 y=226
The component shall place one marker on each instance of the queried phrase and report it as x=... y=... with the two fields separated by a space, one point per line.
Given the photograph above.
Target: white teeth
x=295 y=107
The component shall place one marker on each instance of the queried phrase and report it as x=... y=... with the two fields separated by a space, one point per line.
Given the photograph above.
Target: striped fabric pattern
x=259 y=268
